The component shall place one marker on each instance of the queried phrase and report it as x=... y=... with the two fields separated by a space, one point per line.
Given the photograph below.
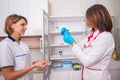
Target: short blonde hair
x=14 y=18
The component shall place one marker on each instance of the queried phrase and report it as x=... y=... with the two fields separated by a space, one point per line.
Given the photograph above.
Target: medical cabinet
x=62 y=62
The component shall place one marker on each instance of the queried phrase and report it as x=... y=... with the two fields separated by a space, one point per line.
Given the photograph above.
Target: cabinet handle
x=41 y=47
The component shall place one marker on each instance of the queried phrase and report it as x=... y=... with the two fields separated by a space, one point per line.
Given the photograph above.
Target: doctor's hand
x=40 y=63
x=67 y=36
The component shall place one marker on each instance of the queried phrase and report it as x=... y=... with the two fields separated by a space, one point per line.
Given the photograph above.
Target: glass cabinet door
x=45 y=44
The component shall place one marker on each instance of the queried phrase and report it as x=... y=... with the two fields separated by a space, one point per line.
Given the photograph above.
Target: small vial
x=60 y=52
x=57 y=28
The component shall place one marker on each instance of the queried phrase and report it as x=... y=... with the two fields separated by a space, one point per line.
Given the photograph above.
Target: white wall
x=77 y=7
x=64 y=7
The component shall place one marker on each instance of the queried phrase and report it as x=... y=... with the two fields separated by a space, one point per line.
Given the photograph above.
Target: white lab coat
x=95 y=59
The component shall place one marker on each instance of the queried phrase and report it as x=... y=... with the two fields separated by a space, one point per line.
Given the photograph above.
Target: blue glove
x=67 y=36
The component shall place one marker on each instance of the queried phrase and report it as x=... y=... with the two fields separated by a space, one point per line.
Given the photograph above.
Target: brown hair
x=100 y=17
x=11 y=19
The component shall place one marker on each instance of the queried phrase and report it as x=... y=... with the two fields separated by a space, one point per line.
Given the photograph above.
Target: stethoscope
x=90 y=39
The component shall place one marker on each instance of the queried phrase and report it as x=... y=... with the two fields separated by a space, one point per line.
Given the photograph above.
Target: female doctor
x=15 y=59
x=96 y=49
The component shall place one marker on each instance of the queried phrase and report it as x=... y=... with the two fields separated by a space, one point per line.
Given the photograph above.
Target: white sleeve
x=6 y=56
x=101 y=47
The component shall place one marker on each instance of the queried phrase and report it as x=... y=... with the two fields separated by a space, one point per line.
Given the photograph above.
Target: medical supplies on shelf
x=65 y=66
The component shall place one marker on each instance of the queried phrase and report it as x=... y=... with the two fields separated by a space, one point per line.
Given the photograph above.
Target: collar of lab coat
x=11 y=38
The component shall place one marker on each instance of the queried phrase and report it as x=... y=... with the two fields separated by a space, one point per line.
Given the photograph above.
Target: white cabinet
x=66 y=75
x=58 y=51
x=3 y=13
x=77 y=28
x=18 y=7
x=58 y=76
x=31 y=9
x=35 y=16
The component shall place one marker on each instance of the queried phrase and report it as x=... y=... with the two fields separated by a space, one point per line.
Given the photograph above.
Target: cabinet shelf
x=72 y=32
x=61 y=70
x=62 y=57
x=59 y=45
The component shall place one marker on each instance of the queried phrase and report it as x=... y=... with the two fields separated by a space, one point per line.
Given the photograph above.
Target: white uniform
x=95 y=55
x=16 y=55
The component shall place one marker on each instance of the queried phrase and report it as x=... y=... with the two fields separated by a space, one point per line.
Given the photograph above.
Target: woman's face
x=19 y=27
x=89 y=23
